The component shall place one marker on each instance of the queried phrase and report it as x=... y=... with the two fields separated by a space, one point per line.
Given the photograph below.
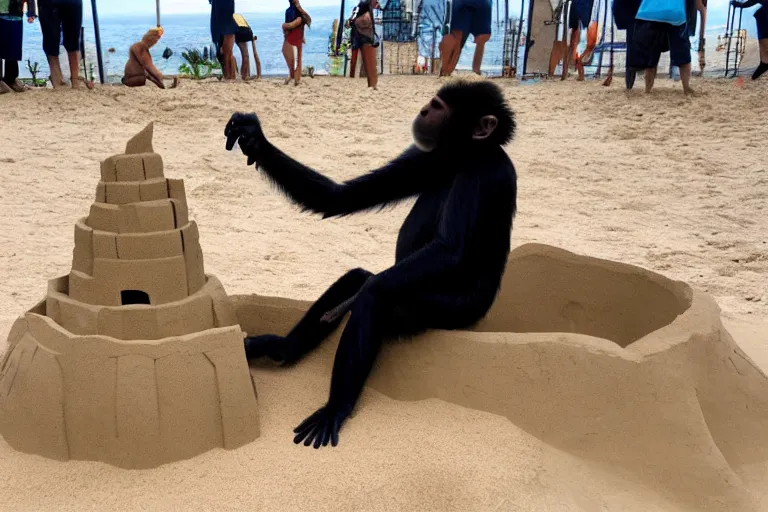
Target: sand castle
x=135 y=357
x=621 y=367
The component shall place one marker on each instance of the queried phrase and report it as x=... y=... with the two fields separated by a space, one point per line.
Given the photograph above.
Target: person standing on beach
x=354 y=39
x=661 y=24
x=761 y=18
x=243 y=37
x=467 y=17
x=367 y=39
x=62 y=19
x=293 y=31
x=11 y=35
x=223 y=30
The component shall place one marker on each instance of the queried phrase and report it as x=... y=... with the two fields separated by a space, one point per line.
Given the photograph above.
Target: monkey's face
x=430 y=123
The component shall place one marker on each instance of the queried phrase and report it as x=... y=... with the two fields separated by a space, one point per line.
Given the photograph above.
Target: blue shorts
x=761 y=17
x=651 y=38
x=580 y=14
x=472 y=17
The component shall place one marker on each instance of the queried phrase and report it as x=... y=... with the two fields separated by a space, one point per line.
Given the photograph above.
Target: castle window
x=133 y=297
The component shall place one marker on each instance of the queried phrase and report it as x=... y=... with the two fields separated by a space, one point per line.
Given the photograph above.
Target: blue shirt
x=663 y=11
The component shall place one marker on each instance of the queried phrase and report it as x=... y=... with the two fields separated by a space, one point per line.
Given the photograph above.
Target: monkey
x=451 y=250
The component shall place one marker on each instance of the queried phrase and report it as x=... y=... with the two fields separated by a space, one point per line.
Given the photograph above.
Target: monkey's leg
x=358 y=349
x=311 y=329
x=374 y=318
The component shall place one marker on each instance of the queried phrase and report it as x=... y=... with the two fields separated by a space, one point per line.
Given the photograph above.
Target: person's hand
x=30 y=20
x=245 y=130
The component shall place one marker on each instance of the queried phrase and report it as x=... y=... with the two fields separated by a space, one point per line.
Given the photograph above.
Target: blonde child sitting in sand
x=140 y=67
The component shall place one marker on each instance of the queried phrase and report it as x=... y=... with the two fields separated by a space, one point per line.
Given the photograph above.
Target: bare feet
x=4 y=89
x=17 y=86
x=288 y=80
x=76 y=84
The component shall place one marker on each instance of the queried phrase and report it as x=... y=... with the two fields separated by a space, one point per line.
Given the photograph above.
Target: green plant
x=197 y=65
x=34 y=69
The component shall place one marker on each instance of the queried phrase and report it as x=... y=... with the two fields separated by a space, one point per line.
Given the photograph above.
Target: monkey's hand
x=323 y=426
x=245 y=130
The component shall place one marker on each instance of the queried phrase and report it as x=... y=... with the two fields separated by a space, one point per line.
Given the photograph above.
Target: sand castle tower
x=136 y=357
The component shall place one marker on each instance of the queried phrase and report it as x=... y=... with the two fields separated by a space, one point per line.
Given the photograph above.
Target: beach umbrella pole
x=97 y=33
x=340 y=30
x=157 y=12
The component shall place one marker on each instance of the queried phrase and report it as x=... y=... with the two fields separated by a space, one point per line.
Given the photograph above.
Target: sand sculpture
x=623 y=368
x=136 y=357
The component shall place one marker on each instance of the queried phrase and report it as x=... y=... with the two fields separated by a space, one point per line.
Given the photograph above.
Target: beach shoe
x=4 y=89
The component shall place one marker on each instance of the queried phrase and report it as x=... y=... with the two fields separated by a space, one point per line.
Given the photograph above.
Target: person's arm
x=294 y=24
x=146 y=61
x=703 y=13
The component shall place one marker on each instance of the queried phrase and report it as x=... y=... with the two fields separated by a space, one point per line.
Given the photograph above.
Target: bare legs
x=57 y=78
x=450 y=51
x=685 y=76
x=297 y=73
x=353 y=63
x=245 y=67
x=477 y=60
x=288 y=55
x=369 y=62
x=74 y=69
x=650 y=78
x=227 y=57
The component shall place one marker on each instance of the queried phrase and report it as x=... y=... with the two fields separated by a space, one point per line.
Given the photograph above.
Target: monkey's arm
x=403 y=177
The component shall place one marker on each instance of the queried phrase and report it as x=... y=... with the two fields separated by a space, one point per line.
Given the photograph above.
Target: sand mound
x=639 y=375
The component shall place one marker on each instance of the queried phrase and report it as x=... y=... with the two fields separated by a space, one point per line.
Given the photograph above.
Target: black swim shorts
x=244 y=35
x=651 y=38
x=61 y=22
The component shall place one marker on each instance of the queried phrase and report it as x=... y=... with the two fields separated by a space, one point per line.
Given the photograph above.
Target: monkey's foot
x=320 y=428
x=269 y=345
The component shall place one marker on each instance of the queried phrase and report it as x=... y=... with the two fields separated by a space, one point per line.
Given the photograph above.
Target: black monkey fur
x=451 y=250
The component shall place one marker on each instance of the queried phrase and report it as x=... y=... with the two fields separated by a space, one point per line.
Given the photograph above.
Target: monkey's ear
x=485 y=127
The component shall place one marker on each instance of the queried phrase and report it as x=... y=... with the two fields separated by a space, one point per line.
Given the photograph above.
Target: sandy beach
x=673 y=184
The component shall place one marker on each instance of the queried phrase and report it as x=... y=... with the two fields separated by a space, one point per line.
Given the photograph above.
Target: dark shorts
x=761 y=17
x=60 y=24
x=356 y=43
x=580 y=14
x=11 y=33
x=472 y=17
x=244 y=35
x=650 y=39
